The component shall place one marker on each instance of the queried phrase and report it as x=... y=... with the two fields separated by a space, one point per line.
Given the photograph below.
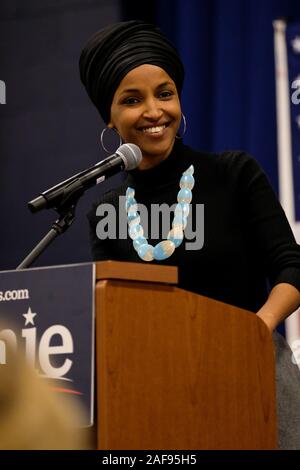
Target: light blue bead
x=184 y=195
x=179 y=222
x=131 y=216
x=187 y=181
x=138 y=242
x=136 y=231
x=131 y=209
x=135 y=221
x=182 y=208
x=189 y=171
x=146 y=252
x=130 y=193
x=175 y=236
x=130 y=202
x=163 y=250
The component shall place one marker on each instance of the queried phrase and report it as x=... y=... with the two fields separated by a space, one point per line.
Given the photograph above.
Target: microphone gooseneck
x=127 y=157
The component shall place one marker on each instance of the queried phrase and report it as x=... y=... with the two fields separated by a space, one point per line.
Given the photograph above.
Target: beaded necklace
x=166 y=248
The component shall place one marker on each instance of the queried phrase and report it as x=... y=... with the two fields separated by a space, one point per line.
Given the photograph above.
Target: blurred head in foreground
x=32 y=417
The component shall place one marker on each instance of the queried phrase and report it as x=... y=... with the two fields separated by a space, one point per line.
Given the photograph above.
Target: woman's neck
x=164 y=172
x=150 y=162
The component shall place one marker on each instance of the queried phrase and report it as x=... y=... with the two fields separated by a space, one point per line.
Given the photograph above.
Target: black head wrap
x=115 y=50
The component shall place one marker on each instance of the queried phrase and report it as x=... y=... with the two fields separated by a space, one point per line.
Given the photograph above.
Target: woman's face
x=146 y=112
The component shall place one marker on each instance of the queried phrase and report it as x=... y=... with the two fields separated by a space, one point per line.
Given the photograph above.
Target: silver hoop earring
x=184 y=127
x=102 y=135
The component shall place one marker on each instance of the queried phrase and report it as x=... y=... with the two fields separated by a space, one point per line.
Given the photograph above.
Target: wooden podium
x=176 y=370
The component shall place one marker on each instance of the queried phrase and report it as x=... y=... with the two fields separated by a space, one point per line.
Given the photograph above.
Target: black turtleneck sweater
x=247 y=239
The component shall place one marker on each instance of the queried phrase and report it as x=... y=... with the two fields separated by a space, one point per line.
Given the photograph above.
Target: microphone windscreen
x=131 y=155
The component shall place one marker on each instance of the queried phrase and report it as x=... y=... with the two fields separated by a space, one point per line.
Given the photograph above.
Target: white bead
x=146 y=252
x=189 y=171
x=135 y=221
x=163 y=250
x=130 y=193
x=136 y=231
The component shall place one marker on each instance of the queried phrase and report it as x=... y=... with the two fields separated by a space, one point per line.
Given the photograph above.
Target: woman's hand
x=283 y=300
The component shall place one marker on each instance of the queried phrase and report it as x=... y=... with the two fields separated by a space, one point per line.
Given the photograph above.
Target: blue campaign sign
x=293 y=53
x=48 y=313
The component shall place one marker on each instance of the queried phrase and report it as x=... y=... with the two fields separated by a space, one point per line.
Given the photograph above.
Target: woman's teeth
x=153 y=130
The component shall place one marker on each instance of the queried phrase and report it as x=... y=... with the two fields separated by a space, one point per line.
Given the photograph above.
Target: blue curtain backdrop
x=49 y=130
x=229 y=93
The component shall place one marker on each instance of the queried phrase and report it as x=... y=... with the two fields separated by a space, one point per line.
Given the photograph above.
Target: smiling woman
x=134 y=76
x=146 y=110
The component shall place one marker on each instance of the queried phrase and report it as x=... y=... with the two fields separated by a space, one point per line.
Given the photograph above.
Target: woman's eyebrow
x=136 y=90
x=130 y=90
x=162 y=85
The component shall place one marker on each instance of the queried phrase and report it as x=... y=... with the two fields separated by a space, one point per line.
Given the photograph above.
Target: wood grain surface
x=180 y=371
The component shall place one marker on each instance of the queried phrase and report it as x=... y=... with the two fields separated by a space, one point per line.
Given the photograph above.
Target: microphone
x=127 y=157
